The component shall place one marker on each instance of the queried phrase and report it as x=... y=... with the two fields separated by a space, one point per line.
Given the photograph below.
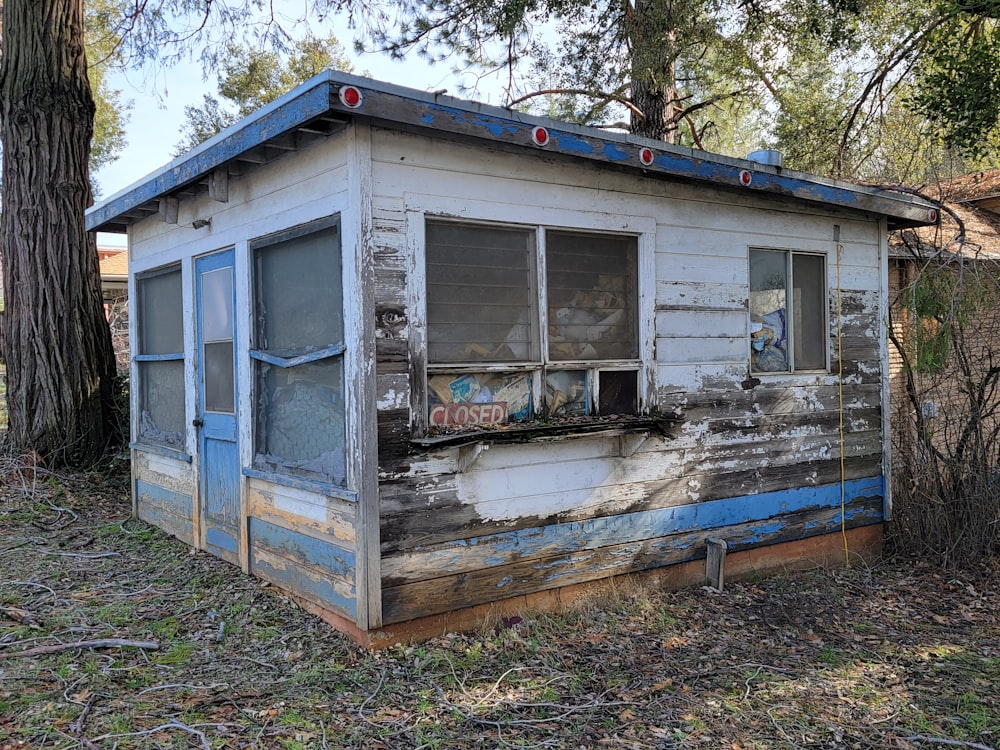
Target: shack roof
x=328 y=102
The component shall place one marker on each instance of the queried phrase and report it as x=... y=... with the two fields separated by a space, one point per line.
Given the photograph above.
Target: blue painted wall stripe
x=297 y=581
x=170 y=523
x=662 y=522
x=174 y=502
x=301 y=548
x=221 y=540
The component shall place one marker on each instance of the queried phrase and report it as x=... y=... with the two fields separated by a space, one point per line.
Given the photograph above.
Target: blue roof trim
x=395 y=106
x=308 y=101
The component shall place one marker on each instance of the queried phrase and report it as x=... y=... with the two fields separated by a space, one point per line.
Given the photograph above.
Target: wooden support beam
x=218 y=185
x=168 y=209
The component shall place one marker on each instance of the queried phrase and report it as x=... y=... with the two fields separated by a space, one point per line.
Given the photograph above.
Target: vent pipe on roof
x=767 y=156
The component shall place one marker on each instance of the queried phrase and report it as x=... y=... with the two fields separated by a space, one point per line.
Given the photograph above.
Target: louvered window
x=525 y=323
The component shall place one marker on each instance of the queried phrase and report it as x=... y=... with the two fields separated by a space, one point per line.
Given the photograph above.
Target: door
x=219 y=461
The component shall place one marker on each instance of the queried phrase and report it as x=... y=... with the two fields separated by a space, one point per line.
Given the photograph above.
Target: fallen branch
x=100 y=643
x=945 y=741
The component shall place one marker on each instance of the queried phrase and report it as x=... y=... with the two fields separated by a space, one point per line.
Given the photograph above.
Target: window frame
x=140 y=358
x=269 y=357
x=790 y=255
x=641 y=229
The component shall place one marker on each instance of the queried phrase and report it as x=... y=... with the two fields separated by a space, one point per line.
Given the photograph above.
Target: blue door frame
x=218 y=443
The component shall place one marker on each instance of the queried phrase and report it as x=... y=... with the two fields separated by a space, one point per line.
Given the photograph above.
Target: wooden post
x=715 y=563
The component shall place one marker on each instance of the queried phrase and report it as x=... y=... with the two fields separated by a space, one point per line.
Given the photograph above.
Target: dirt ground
x=113 y=635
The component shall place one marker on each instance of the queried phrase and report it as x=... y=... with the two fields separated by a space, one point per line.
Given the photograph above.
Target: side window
x=524 y=323
x=160 y=357
x=788 y=302
x=298 y=352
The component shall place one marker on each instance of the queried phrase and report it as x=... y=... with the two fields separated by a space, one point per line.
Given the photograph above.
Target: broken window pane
x=619 y=392
x=161 y=402
x=591 y=282
x=479 y=293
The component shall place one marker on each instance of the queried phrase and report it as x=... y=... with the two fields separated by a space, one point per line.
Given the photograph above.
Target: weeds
x=844 y=659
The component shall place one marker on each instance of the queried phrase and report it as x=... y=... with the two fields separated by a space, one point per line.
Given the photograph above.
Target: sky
x=158 y=100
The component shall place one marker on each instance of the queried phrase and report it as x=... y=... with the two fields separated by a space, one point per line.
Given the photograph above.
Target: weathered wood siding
x=755 y=460
x=299 y=539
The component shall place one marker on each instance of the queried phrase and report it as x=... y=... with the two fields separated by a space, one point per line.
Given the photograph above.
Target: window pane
x=217 y=304
x=478 y=399
x=566 y=393
x=619 y=392
x=161 y=402
x=301 y=418
x=219 y=377
x=809 y=312
x=161 y=315
x=768 y=309
x=479 y=294
x=592 y=297
x=299 y=294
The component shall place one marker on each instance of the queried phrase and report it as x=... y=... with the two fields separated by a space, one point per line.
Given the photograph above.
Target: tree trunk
x=60 y=363
x=653 y=40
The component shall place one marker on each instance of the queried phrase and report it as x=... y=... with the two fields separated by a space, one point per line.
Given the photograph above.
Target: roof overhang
x=316 y=109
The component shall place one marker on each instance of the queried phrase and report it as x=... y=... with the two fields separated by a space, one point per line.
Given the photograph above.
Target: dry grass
x=899 y=656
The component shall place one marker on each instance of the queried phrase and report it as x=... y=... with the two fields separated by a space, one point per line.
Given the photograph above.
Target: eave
x=315 y=110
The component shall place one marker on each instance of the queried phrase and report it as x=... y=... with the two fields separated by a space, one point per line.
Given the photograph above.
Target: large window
x=298 y=354
x=788 y=302
x=529 y=323
x=160 y=357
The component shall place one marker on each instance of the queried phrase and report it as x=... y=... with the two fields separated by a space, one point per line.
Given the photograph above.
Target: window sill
x=627 y=427
x=161 y=450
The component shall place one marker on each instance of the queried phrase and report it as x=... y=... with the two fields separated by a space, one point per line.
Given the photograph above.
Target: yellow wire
x=840 y=391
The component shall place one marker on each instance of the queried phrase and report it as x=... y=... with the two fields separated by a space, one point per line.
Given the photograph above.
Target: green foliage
x=250 y=78
x=932 y=298
x=102 y=58
x=960 y=78
x=696 y=72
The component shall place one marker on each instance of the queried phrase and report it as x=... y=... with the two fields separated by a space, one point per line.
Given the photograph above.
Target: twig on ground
x=30 y=583
x=100 y=643
x=76 y=726
x=84 y=555
x=179 y=685
x=946 y=741
x=361 y=708
x=173 y=724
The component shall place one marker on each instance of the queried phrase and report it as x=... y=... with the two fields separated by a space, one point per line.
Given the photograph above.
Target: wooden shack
x=416 y=360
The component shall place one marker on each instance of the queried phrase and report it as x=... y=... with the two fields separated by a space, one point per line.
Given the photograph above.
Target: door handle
x=198 y=422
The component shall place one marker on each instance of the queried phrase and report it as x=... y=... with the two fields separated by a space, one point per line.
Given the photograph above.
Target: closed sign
x=447 y=415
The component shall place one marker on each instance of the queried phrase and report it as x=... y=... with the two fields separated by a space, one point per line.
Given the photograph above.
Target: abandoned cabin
x=418 y=361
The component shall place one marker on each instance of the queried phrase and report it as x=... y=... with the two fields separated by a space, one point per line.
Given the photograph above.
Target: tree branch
x=100 y=643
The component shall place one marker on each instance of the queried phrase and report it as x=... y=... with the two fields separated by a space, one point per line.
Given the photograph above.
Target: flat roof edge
x=391 y=105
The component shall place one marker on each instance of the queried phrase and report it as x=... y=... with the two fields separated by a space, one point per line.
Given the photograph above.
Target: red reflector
x=932 y=215
x=646 y=156
x=350 y=96
x=540 y=135
x=745 y=178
